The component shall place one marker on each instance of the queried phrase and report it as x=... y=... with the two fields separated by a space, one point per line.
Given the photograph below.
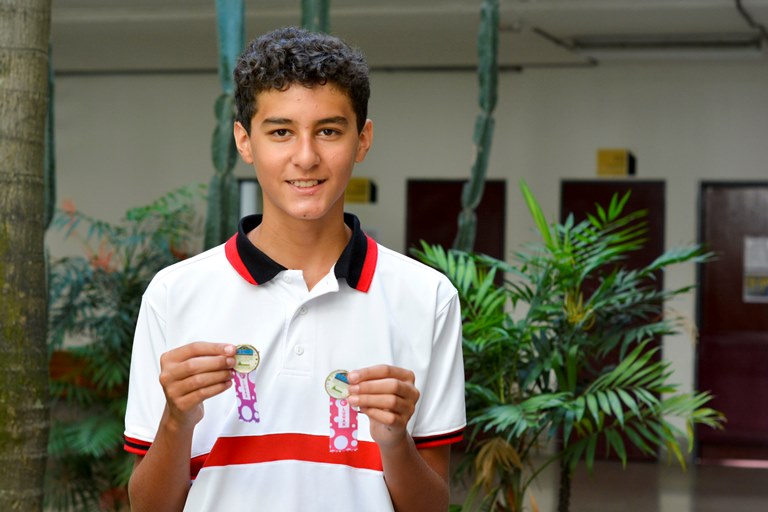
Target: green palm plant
x=537 y=345
x=93 y=304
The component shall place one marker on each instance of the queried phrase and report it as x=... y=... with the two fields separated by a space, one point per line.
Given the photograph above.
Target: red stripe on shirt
x=369 y=265
x=137 y=446
x=140 y=447
x=230 y=450
x=439 y=440
x=230 y=250
x=302 y=447
x=196 y=464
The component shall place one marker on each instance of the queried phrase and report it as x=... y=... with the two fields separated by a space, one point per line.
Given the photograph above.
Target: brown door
x=579 y=197
x=433 y=208
x=733 y=319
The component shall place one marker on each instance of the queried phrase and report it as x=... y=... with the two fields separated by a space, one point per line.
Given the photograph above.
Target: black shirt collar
x=356 y=264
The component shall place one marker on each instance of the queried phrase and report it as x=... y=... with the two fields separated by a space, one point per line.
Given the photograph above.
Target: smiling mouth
x=305 y=183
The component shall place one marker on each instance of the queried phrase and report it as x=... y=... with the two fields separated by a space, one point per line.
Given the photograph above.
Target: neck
x=312 y=246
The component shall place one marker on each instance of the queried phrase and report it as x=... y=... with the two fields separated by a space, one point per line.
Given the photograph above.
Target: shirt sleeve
x=146 y=400
x=441 y=414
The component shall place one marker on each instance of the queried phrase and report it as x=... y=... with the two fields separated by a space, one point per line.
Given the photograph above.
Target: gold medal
x=337 y=385
x=246 y=359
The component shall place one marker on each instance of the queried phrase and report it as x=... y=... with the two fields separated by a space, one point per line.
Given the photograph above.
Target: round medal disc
x=246 y=359
x=337 y=385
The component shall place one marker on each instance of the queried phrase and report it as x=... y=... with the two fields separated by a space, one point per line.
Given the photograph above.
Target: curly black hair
x=291 y=55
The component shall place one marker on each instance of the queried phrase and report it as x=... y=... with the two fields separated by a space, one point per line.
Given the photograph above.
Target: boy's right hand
x=192 y=373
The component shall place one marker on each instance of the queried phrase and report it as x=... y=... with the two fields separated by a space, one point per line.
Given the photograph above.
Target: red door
x=733 y=319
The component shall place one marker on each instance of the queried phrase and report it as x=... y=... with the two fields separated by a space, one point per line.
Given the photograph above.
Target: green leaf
x=646 y=397
x=571 y=369
x=592 y=405
x=618 y=412
x=637 y=440
x=615 y=441
x=602 y=399
x=601 y=214
x=538 y=216
x=579 y=407
x=628 y=401
x=648 y=433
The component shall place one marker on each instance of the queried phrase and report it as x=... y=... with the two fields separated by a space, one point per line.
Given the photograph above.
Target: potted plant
x=93 y=303
x=535 y=347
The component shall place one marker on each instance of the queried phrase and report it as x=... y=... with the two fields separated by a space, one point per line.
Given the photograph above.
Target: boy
x=297 y=297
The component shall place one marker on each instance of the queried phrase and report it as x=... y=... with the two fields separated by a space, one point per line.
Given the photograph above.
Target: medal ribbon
x=343 y=436
x=245 y=388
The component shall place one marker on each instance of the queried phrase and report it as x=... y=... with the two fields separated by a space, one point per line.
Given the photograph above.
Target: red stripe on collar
x=369 y=266
x=233 y=256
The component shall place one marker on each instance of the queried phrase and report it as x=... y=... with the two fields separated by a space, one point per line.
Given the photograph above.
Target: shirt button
x=299 y=350
x=303 y=310
x=287 y=278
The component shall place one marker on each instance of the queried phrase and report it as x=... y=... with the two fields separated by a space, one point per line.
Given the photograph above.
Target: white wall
x=124 y=140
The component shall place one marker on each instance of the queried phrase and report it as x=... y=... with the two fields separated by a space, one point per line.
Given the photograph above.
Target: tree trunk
x=564 y=494
x=24 y=36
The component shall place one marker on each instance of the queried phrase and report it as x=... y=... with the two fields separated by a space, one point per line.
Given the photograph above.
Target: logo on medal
x=337 y=385
x=247 y=359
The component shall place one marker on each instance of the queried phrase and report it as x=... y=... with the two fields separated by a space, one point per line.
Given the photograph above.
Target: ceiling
x=113 y=36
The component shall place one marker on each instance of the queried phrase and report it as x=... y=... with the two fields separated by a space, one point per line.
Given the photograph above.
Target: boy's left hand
x=388 y=396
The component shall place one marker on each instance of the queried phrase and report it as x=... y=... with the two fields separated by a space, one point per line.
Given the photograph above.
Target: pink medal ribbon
x=244 y=379
x=343 y=418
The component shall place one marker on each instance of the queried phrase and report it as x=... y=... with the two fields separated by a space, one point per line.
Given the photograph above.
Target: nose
x=306 y=155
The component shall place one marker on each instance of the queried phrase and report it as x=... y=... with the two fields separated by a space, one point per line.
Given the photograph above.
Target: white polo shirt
x=375 y=306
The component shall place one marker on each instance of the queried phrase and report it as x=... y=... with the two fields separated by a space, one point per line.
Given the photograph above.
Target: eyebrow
x=276 y=120
x=341 y=120
x=334 y=120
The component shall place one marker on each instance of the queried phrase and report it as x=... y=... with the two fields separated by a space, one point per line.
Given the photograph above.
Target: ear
x=243 y=143
x=365 y=139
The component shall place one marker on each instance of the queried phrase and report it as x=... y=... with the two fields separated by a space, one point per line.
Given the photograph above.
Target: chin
x=311 y=215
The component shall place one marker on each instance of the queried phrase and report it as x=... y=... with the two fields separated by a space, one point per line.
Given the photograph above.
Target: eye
x=328 y=132
x=280 y=132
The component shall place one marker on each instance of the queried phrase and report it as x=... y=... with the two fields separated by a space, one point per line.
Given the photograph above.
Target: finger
x=390 y=403
x=394 y=387
x=181 y=369
x=386 y=418
x=380 y=372
x=201 y=349
x=197 y=357
x=181 y=387
x=191 y=400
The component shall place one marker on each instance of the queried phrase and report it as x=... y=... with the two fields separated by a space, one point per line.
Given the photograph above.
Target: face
x=303 y=146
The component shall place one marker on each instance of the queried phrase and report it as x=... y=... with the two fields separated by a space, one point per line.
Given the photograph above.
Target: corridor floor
x=656 y=487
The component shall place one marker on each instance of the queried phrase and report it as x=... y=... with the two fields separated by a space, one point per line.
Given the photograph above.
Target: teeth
x=304 y=183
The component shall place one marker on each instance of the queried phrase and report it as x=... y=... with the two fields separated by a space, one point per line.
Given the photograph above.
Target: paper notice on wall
x=755 y=269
